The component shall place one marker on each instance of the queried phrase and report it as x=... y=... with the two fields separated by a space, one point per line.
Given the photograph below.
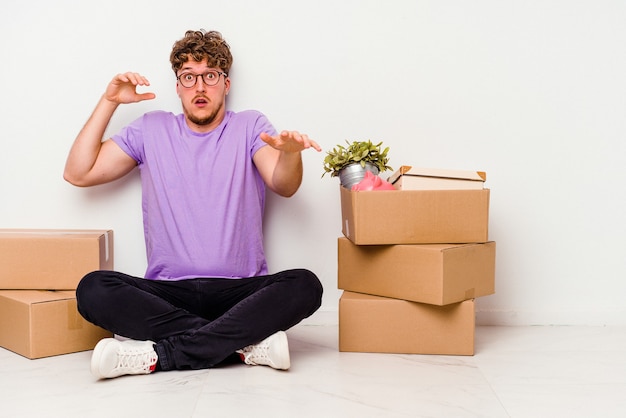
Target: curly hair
x=200 y=45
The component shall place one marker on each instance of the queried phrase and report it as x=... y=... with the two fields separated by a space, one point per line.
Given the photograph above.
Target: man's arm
x=280 y=164
x=91 y=161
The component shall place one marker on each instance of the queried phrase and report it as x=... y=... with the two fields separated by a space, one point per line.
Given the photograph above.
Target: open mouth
x=201 y=102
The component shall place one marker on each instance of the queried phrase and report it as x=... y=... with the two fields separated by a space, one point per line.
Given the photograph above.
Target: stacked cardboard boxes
x=39 y=272
x=411 y=263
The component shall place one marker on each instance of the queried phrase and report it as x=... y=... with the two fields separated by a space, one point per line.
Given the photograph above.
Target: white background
x=532 y=92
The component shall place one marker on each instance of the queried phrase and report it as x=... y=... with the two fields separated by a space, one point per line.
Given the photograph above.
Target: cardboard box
x=437 y=274
x=376 y=324
x=52 y=259
x=41 y=323
x=415 y=216
x=412 y=178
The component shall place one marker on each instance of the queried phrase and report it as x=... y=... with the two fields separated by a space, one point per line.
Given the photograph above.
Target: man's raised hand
x=123 y=88
x=290 y=141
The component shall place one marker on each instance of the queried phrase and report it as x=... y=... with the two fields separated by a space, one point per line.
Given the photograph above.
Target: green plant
x=356 y=152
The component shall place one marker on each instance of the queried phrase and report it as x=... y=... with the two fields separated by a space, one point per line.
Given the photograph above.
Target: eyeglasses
x=210 y=78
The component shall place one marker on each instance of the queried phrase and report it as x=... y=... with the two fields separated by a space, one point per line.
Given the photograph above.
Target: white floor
x=516 y=372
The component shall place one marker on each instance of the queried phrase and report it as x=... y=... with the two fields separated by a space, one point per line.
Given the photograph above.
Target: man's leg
x=249 y=311
x=198 y=323
x=138 y=308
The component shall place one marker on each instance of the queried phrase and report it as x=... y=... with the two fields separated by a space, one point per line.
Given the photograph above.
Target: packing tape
x=106 y=246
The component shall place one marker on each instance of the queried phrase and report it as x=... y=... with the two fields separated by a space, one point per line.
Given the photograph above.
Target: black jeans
x=198 y=323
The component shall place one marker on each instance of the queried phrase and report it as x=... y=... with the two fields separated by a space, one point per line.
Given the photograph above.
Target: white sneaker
x=272 y=351
x=113 y=358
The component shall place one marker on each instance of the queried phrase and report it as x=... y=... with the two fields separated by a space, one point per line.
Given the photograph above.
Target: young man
x=207 y=293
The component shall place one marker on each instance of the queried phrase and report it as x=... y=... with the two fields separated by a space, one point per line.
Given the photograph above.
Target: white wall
x=532 y=92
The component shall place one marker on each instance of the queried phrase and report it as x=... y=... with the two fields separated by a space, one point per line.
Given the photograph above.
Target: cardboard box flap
x=407 y=170
x=32 y=297
x=28 y=233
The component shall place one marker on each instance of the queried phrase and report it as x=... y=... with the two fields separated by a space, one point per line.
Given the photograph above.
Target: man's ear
x=227 y=86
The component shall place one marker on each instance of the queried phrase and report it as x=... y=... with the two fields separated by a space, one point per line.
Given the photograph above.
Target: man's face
x=203 y=105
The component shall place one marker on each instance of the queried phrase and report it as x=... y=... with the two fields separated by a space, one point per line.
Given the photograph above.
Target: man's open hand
x=123 y=89
x=290 y=141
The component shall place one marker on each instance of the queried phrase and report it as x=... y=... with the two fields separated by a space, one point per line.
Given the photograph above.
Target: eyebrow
x=205 y=69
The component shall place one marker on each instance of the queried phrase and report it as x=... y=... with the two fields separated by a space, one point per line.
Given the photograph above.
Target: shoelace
x=134 y=359
x=254 y=353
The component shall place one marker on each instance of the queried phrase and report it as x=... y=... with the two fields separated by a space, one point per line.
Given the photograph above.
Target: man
x=207 y=293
